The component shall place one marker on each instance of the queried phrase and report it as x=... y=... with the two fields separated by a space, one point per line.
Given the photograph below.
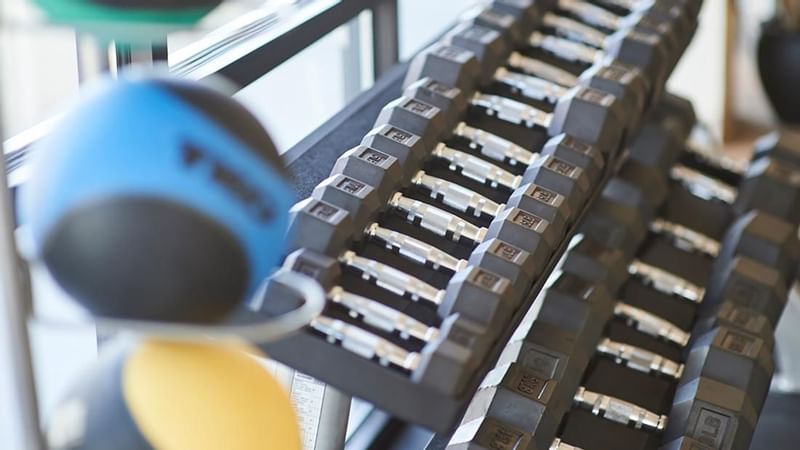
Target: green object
x=82 y=11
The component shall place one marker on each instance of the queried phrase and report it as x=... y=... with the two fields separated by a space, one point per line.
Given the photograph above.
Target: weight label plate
x=497 y=436
x=562 y=167
x=398 y=135
x=419 y=108
x=710 y=427
x=543 y=195
x=596 y=97
x=324 y=211
x=529 y=384
x=574 y=144
x=506 y=251
x=443 y=89
x=350 y=186
x=453 y=53
x=527 y=220
x=739 y=343
x=374 y=157
x=487 y=280
x=479 y=34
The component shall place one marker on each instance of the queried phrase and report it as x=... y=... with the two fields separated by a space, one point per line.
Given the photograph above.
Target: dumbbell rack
x=744 y=330
x=388 y=388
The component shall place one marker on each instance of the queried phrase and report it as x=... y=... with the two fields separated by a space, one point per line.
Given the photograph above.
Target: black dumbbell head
x=772 y=186
x=615 y=225
x=509 y=27
x=574 y=151
x=451 y=102
x=746 y=282
x=735 y=358
x=625 y=82
x=407 y=147
x=381 y=171
x=645 y=51
x=447 y=64
x=481 y=296
x=642 y=187
x=591 y=115
x=764 y=238
x=355 y=196
x=414 y=115
x=486 y=44
x=319 y=226
x=528 y=12
x=508 y=261
x=597 y=263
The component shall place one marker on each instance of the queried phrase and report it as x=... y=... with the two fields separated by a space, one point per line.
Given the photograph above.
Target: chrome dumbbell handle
x=529 y=85
x=541 y=69
x=686 y=238
x=620 y=411
x=495 y=147
x=651 y=324
x=392 y=279
x=476 y=168
x=512 y=111
x=414 y=249
x=667 y=282
x=456 y=196
x=381 y=316
x=365 y=344
x=640 y=359
x=437 y=220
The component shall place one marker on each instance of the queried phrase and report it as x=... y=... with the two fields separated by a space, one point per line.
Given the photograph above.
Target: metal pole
x=14 y=321
x=385 y=36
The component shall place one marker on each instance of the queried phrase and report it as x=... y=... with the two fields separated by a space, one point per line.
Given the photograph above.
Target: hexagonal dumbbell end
x=685 y=443
x=520 y=397
x=590 y=115
x=449 y=99
x=508 y=261
x=407 y=147
x=597 y=263
x=657 y=146
x=423 y=119
x=381 y=171
x=448 y=363
x=771 y=186
x=578 y=306
x=646 y=51
x=642 y=187
x=764 y=238
x=352 y=195
x=714 y=413
x=528 y=12
x=544 y=203
x=550 y=351
x=446 y=64
x=624 y=82
x=735 y=358
x=615 y=225
x=481 y=296
x=574 y=151
x=526 y=231
x=279 y=299
x=746 y=282
x=742 y=318
x=319 y=226
x=487 y=44
x=562 y=177
x=485 y=433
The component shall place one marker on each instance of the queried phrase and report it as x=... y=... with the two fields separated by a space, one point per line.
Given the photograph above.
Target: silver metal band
x=530 y=86
x=364 y=343
x=564 y=48
x=686 y=238
x=541 y=69
x=667 y=282
x=620 y=411
x=640 y=359
x=414 y=249
x=651 y=324
x=457 y=196
x=702 y=185
x=512 y=111
x=476 y=168
x=437 y=220
x=381 y=316
x=495 y=147
x=392 y=279
x=574 y=30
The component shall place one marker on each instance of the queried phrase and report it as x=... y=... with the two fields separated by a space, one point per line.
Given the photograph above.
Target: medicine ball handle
x=246 y=324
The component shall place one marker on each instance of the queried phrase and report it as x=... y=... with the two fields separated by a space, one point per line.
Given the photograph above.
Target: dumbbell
x=522 y=398
x=203 y=171
x=140 y=395
x=450 y=352
x=623 y=81
x=645 y=50
x=323 y=227
x=584 y=113
x=733 y=357
x=486 y=433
